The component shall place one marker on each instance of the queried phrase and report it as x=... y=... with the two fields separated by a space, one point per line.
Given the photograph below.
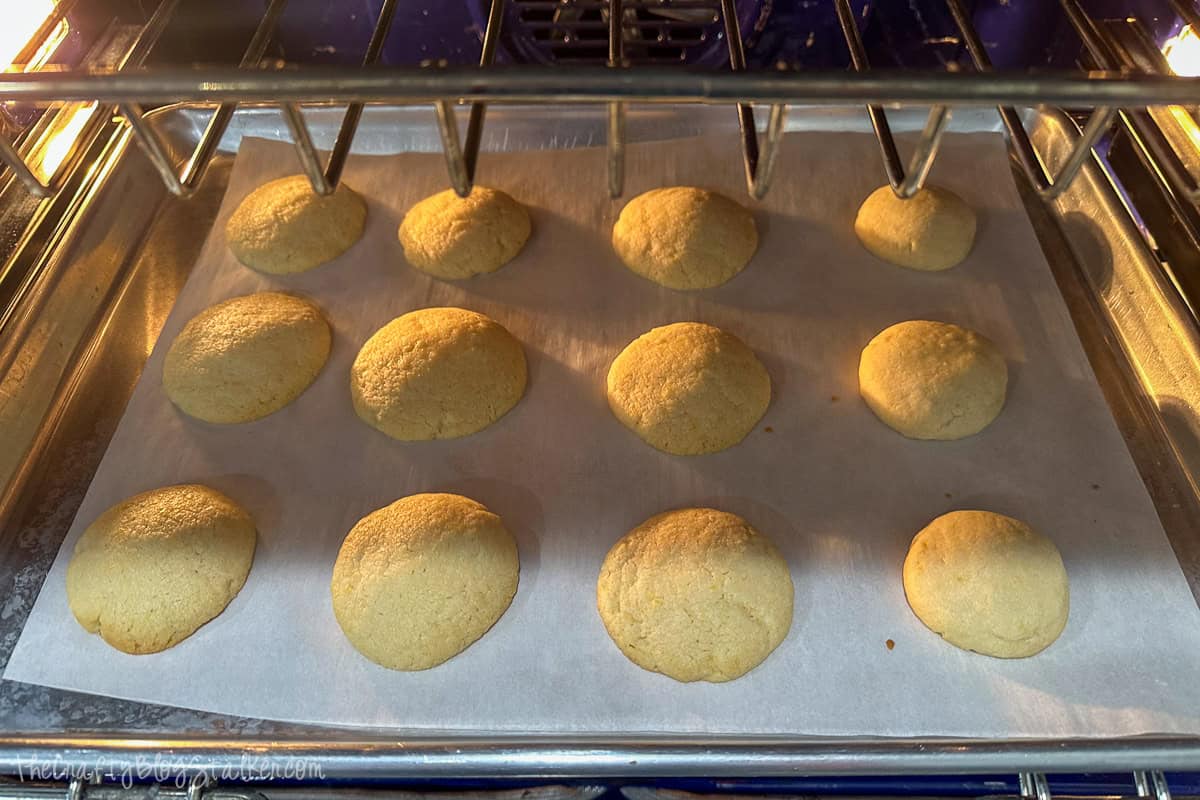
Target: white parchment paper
x=838 y=492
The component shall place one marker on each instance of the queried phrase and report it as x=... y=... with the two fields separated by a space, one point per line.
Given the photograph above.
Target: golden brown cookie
x=933 y=230
x=284 y=226
x=685 y=238
x=688 y=388
x=933 y=380
x=454 y=237
x=437 y=373
x=988 y=583
x=246 y=357
x=420 y=580
x=696 y=594
x=154 y=568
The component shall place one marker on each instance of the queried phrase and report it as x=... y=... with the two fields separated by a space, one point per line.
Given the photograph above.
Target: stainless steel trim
x=394 y=757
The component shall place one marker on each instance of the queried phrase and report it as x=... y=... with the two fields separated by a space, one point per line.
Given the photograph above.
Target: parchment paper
x=839 y=492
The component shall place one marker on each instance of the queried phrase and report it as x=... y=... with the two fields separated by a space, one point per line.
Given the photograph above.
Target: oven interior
x=98 y=187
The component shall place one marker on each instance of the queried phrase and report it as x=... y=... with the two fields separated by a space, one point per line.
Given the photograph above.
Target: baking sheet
x=837 y=491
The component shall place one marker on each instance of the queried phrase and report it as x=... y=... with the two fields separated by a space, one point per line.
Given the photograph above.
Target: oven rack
x=1112 y=91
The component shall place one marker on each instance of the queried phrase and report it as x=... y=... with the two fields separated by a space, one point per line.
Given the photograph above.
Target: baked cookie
x=933 y=230
x=284 y=226
x=696 y=594
x=154 y=568
x=688 y=388
x=933 y=380
x=420 y=580
x=246 y=357
x=685 y=238
x=454 y=237
x=437 y=373
x=988 y=583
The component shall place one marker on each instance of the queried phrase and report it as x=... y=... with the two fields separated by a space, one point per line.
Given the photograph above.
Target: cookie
x=933 y=380
x=246 y=357
x=452 y=237
x=437 y=373
x=283 y=227
x=933 y=230
x=154 y=568
x=696 y=594
x=420 y=580
x=688 y=388
x=685 y=238
x=988 y=583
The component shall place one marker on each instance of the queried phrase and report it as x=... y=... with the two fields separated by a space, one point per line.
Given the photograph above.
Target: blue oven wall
x=898 y=33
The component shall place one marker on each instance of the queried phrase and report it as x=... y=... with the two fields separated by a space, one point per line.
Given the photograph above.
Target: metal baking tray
x=71 y=356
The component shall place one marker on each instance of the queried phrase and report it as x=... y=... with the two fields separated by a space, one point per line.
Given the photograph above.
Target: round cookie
x=454 y=237
x=154 y=568
x=988 y=583
x=933 y=380
x=688 y=388
x=932 y=230
x=685 y=238
x=696 y=594
x=246 y=357
x=437 y=373
x=420 y=580
x=284 y=226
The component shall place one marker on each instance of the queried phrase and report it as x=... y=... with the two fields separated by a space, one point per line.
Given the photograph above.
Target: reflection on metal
x=50 y=155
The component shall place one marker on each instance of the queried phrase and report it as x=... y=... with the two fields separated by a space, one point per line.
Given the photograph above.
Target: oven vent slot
x=652 y=31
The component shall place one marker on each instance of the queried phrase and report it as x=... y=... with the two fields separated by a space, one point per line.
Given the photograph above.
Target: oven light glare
x=60 y=143
x=1182 y=52
x=21 y=22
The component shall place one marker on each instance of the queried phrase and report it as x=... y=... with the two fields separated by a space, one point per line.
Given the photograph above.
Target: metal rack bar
x=460 y=159
x=758 y=170
x=599 y=84
x=904 y=183
x=146 y=40
x=305 y=150
x=152 y=145
x=11 y=158
x=1031 y=163
x=1152 y=784
x=1034 y=786
x=1178 y=177
x=136 y=56
x=26 y=53
x=491 y=36
x=432 y=758
x=194 y=169
x=554 y=5
x=345 y=137
x=1027 y=157
x=456 y=165
x=616 y=111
